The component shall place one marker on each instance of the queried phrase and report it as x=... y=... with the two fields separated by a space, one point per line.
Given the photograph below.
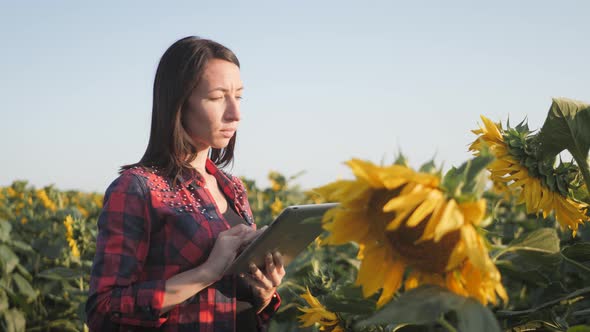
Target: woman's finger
x=238 y=230
x=270 y=263
x=261 y=292
x=258 y=275
x=278 y=261
x=271 y=271
x=250 y=236
x=251 y=280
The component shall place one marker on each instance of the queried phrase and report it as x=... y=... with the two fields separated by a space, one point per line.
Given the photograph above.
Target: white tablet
x=290 y=233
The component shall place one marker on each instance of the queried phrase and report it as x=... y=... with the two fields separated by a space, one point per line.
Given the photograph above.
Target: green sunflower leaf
x=531 y=257
x=567 y=127
x=401 y=159
x=581 y=194
x=469 y=180
x=8 y=259
x=14 y=320
x=5 y=230
x=428 y=167
x=579 y=252
x=24 y=287
x=543 y=240
x=425 y=305
x=59 y=273
x=349 y=299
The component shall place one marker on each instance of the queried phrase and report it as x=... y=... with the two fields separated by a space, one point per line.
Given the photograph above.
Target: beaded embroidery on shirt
x=177 y=199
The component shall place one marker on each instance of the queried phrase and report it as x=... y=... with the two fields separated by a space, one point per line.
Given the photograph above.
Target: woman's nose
x=232 y=112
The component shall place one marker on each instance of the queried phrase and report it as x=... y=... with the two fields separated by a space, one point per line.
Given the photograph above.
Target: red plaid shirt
x=149 y=232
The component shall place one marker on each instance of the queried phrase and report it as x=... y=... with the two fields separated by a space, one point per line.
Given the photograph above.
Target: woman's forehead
x=221 y=74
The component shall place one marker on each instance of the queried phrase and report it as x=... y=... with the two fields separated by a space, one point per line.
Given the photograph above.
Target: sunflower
x=404 y=221
x=68 y=222
x=276 y=207
x=317 y=313
x=45 y=200
x=538 y=184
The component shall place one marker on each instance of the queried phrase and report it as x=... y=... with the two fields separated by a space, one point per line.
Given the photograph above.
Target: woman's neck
x=201 y=161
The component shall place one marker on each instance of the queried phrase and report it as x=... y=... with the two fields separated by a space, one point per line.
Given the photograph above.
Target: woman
x=173 y=222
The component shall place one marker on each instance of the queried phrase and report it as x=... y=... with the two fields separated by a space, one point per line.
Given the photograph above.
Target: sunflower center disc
x=428 y=256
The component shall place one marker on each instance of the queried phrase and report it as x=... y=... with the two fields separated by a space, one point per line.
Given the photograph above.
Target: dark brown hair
x=170 y=148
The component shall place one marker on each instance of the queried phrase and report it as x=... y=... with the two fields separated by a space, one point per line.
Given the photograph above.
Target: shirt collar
x=190 y=175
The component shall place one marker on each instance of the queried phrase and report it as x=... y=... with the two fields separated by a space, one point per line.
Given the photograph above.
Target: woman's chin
x=220 y=145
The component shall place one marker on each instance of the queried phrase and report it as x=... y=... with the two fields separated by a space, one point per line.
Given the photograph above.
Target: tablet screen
x=290 y=233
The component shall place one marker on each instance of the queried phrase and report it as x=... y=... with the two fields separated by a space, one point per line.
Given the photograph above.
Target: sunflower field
x=499 y=243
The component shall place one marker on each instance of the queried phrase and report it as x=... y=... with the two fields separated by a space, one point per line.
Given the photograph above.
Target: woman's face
x=212 y=112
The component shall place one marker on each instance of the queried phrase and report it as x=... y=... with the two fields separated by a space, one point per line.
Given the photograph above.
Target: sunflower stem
x=509 y=313
x=575 y=263
x=498 y=246
x=442 y=321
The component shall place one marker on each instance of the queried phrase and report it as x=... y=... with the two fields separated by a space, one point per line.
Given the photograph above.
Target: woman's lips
x=228 y=133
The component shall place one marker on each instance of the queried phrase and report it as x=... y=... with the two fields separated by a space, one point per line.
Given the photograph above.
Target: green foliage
x=35 y=293
x=545 y=270
x=567 y=127
x=430 y=306
x=267 y=203
x=469 y=180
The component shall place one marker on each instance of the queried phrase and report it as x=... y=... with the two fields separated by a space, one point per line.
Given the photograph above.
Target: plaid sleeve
x=123 y=239
x=266 y=314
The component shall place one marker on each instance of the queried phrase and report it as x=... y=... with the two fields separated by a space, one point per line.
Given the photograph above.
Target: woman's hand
x=264 y=284
x=226 y=247
x=186 y=284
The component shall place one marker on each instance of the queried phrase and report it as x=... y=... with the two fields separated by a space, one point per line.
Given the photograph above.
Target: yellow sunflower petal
x=433 y=222
x=350 y=192
x=458 y=256
x=366 y=171
x=426 y=208
x=310 y=299
x=408 y=201
x=491 y=129
x=454 y=282
x=473 y=212
x=473 y=247
x=316 y=313
x=346 y=226
x=397 y=221
x=371 y=271
x=412 y=281
x=392 y=282
x=394 y=182
x=452 y=219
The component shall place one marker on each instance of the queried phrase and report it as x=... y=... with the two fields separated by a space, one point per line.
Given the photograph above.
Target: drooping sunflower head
x=316 y=313
x=538 y=183
x=405 y=220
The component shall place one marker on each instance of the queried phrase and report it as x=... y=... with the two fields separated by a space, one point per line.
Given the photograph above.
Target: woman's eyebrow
x=225 y=89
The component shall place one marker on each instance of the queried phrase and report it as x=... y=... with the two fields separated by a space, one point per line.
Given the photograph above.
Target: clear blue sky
x=325 y=80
